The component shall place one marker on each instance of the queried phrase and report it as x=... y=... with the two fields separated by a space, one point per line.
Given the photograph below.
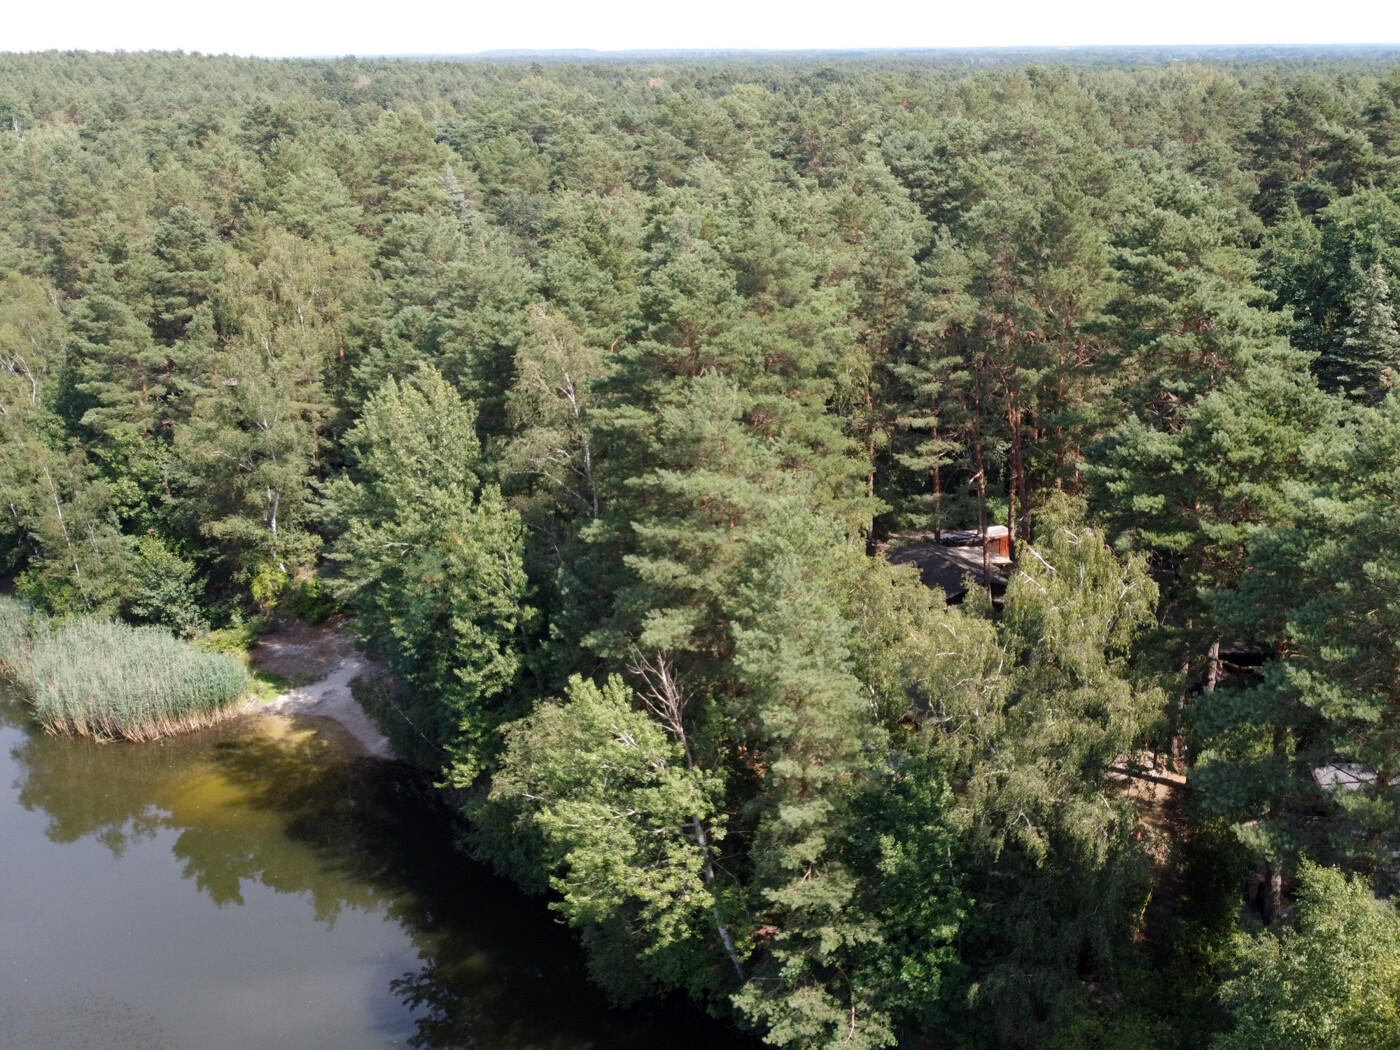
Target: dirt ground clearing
x=326 y=662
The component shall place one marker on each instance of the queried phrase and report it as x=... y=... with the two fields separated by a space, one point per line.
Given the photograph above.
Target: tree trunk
x=982 y=512
x=1271 y=893
x=937 y=479
x=870 y=461
x=708 y=871
x=1273 y=870
x=1017 y=488
x=1177 y=748
x=67 y=540
x=666 y=701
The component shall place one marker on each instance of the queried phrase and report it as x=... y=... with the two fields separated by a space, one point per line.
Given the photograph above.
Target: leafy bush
x=102 y=678
x=235 y=639
x=167 y=590
x=19 y=624
x=309 y=600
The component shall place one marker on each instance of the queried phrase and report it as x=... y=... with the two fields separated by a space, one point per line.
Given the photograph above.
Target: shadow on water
x=291 y=811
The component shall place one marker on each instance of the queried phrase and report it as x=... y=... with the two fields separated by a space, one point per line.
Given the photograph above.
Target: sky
x=374 y=27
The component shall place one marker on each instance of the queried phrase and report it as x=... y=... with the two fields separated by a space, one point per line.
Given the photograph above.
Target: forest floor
x=318 y=663
x=1159 y=798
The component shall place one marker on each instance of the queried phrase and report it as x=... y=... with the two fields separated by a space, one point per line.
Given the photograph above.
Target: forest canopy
x=609 y=402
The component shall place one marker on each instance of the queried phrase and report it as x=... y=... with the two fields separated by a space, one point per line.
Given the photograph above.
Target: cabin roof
x=947 y=568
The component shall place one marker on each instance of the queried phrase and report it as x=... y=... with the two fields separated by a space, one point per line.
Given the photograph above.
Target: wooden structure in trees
x=949 y=568
x=999 y=542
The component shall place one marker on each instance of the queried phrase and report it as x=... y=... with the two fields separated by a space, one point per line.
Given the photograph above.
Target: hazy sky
x=318 y=27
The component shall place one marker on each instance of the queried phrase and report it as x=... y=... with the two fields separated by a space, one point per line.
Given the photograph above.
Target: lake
x=259 y=885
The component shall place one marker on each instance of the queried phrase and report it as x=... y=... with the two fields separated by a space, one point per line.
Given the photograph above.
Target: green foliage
x=549 y=407
x=166 y=591
x=911 y=892
x=430 y=560
x=20 y=625
x=311 y=600
x=234 y=640
x=1333 y=981
x=616 y=812
x=1328 y=701
x=1334 y=272
x=605 y=384
x=1056 y=863
x=1118 y=1030
x=815 y=733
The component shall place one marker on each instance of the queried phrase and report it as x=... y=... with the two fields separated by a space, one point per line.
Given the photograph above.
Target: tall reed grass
x=102 y=678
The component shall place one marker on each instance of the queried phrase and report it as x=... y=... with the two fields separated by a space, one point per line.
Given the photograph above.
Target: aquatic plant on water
x=103 y=678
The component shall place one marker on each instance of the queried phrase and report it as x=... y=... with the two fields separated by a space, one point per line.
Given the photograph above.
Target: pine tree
x=1302 y=762
x=815 y=736
x=1366 y=364
x=120 y=374
x=185 y=273
x=59 y=531
x=431 y=560
x=1322 y=271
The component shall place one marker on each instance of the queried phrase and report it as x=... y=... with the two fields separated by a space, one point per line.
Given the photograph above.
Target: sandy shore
x=301 y=651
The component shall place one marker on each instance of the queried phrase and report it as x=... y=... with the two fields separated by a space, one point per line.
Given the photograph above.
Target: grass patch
x=101 y=678
x=237 y=641
x=267 y=687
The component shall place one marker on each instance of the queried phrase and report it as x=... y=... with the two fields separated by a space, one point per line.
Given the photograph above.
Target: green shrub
x=309 y=600
x=103 y=678
x=235 y=639
x=167 y=590
x=19 y=625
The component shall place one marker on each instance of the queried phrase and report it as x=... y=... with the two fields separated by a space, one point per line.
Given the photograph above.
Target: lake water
x=257 y=886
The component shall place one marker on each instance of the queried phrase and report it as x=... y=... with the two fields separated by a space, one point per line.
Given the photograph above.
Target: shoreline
x=327 y=697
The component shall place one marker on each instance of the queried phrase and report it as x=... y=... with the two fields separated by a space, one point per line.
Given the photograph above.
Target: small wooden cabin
x=998 y=541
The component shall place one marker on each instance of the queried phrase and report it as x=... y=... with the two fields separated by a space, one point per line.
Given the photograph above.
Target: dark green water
x=240 y=888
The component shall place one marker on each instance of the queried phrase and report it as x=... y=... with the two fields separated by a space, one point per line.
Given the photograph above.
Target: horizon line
x=700 y=52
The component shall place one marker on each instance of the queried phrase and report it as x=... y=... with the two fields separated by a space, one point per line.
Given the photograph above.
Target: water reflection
x=280 y=807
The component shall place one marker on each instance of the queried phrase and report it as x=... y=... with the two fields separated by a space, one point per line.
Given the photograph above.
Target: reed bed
x=100 y=678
